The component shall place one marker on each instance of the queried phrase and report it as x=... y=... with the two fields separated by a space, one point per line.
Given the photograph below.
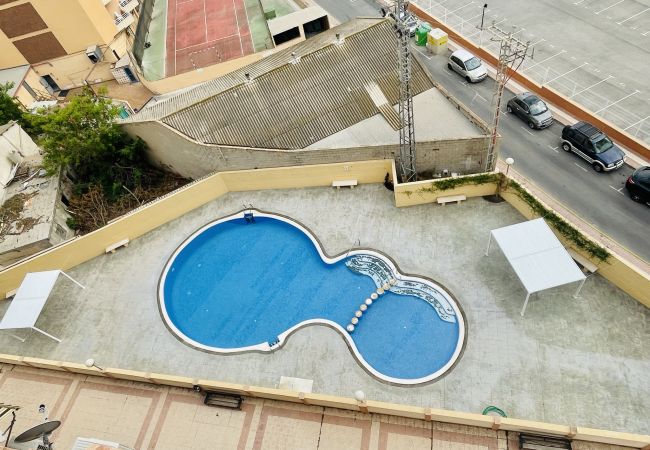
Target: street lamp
x=509 y=162
x=91 y=363
x=480 y=39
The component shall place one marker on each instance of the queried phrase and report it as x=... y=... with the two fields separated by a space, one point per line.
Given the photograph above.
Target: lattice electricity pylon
x=407 y=124
x=512 y=54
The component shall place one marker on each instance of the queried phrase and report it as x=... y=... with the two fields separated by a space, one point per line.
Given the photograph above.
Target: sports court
x=205 y=32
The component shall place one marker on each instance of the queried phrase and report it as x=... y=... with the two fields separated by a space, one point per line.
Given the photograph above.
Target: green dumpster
x=421 y=34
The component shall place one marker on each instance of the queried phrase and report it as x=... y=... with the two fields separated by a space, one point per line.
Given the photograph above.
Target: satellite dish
x=42 y=430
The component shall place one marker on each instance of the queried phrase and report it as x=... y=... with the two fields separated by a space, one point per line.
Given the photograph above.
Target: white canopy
x=537 y=256
x=30 y=300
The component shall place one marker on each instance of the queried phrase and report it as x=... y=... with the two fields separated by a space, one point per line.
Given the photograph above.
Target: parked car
x=468 y=65
x=638 y=185
x=531 y=109
x=593 y=146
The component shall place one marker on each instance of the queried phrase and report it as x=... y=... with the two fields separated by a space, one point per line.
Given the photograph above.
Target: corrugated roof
x=291 y=106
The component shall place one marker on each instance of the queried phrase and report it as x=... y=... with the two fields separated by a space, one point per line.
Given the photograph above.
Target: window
x=602 y=145
x=473 y=63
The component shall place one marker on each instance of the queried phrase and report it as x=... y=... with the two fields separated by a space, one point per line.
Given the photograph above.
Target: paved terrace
x=142 y=416
x=584 y=362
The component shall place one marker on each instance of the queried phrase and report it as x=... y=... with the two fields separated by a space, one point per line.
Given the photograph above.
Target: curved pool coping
x=266 y=348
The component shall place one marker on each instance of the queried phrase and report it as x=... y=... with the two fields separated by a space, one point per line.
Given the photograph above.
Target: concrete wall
x=189 y=158
x=181 y=201
x=587 y=435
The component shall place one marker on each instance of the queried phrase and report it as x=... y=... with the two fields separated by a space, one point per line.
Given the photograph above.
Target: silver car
x=531 y=109
x=468 y=65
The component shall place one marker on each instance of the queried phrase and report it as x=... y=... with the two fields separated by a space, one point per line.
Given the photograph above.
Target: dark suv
x=593 y=146
x=638 y=185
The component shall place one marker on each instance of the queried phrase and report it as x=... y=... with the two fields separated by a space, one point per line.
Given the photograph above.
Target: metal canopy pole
x=72 y=279
x=523 y=310
x=582 y=283
x=46 y=334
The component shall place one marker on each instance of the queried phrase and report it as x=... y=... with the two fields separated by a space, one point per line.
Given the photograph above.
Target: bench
x=451 y=198
x=344 y=183
x=223 y=399
x=123 y=243
x=582 y=261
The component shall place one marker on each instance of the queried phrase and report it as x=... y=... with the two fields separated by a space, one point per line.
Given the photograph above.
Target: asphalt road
x=599 y=198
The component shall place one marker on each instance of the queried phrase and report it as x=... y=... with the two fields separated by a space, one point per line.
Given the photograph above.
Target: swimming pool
x=247 y=281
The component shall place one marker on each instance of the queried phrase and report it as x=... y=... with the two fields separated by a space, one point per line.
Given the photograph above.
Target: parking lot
x=593 y=51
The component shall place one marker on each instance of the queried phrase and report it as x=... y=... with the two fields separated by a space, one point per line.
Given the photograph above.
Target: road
x=599 y=198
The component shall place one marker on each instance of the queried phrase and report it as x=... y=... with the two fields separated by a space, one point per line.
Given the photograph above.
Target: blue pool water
x=236 y=285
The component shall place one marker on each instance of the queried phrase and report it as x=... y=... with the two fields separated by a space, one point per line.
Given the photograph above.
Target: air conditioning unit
x=94 y=53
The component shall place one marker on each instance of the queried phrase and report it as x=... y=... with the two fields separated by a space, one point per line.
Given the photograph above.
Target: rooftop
x=567 y=361
x=140 y=415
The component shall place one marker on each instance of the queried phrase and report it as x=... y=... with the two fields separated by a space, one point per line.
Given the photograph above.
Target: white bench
x=344 y=183
x=584 y=262
x=451 y=198
x=123 y=243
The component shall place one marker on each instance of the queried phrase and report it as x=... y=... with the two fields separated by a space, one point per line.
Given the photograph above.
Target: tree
x=84 y=137
x=9 y=108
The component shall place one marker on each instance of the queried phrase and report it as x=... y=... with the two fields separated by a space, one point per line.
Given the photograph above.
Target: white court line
x=611 y=6
x=578 y=165
x=632 y=17
x=527 y=130
x=555 y=149
x=544 y=60
x=617 y=190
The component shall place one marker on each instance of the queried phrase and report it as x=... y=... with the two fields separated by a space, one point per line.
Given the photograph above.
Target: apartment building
x=65 y=43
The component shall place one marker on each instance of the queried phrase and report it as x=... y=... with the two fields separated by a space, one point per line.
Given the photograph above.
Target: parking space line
x=611 y=6
x=632 y=17
x=617 y=101
x=555 y=149
x=578 y=165
x=543 y=61
x=476 y=94
x=617 y=190
x=458 y=9
x=587 y=88
x=527 y=130
x=423 y=54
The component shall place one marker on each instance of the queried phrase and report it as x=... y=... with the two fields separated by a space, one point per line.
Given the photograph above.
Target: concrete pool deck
x=584 y=362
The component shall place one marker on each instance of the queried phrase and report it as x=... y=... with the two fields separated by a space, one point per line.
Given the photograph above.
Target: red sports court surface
x=205 y=32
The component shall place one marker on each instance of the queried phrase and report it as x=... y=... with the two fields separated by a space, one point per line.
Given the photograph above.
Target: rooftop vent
x=249 y=80
x=295 y=59
x=339 y=39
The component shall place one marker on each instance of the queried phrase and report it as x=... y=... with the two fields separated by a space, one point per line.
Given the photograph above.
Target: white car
x=468 y=65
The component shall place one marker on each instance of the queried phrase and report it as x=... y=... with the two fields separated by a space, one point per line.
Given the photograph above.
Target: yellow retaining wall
x=331 y=401
x=616 y=270
x=183 y=200
x=409 y=194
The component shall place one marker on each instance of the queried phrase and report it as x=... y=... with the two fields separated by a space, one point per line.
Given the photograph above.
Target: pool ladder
x=368 y=302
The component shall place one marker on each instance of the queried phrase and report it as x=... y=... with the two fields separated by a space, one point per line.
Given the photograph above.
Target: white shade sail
x=537 y=256
x=30 y=299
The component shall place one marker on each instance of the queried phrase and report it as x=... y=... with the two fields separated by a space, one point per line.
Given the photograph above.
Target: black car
x=638 y=184
x=593 y=146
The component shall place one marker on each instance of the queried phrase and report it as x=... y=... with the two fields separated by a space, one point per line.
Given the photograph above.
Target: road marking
x=646 y=33
x=534 y=44
x=423 y=54
x=527 y=130
x=543 y=60
x=578 y=165
x=617 y=190
x=476 y=94
x=555 y=149
x=577 y=3
x=632 y=17
x=611 y=6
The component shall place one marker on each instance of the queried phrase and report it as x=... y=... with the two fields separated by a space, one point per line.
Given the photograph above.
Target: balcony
x=128 y=5
x=123 y=20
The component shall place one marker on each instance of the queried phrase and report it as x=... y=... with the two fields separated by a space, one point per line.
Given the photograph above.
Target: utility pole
x=512 y=54
x=407 y=130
